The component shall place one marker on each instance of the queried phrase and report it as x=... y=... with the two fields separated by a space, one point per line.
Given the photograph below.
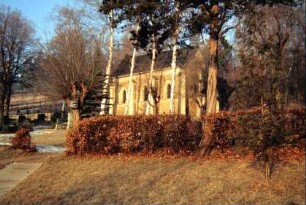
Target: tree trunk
x=1 y=110
x=7 y=101
x=304 y=60
x=105 y=89
x=211 y=103
x=173 y=63
x=2 y=103
x=212 y=76
x=128 y=101
x=173 y=75
x=151 y=102
x=76 y=117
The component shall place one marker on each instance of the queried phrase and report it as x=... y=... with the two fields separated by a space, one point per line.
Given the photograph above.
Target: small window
x=124 y=96
x=145 y=93
x=168 y=91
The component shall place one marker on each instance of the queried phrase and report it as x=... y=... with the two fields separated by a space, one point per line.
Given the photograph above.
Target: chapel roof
x=143 y=62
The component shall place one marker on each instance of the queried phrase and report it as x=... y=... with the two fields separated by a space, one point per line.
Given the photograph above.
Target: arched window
x=123 y=96
x=145 y=93
x=168 y=91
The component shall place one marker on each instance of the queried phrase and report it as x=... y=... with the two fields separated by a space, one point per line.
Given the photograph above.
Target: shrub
x=22 y=140
x=249 y=128
x=177 y=133
x=128 y=134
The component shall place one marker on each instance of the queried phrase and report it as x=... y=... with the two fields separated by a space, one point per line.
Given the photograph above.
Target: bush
x=22 y=140
x=249 y=128
x=114 y=134
x=177 y=133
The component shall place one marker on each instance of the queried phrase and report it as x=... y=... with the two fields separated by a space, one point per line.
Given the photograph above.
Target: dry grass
x=146 y=180
x=46 y=137
x=50 y=137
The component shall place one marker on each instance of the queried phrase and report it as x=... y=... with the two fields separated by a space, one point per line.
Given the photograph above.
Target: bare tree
x=16 y=39
x=71 y=62
x=268 y=54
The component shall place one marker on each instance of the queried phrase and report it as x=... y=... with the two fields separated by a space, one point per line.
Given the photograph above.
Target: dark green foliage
x=55 y=116
x=93 y=99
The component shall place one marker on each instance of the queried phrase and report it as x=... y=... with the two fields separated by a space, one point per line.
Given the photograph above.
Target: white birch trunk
x=173 y=75
x=150 y=101
x=173 y=63
x=105 y=89
x=129 y=91
x=128 y=101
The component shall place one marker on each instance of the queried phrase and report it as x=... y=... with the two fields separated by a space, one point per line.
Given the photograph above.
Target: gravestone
x=6 y=120
x=21 y=118
x=41 y=118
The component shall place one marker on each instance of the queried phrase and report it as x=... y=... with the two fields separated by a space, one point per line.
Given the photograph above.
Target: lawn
x=155 y=179
x=158 y=179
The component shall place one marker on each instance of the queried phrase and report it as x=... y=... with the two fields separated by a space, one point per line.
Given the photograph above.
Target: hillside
x=166 y=180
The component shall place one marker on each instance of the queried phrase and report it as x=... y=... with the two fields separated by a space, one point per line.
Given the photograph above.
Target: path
x=15 y=173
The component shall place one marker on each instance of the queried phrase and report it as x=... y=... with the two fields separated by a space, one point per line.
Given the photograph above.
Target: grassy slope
x=177 y=180
x=50 y=137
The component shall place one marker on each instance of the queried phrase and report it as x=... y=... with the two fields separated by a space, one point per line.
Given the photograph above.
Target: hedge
x=249 y=128
x=22 y=140
x=128 y=134
x=178 y=133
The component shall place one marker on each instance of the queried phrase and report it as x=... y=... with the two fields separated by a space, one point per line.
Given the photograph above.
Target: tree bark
x=211 y=103
x=151 y=102
x=79 y=92
x=7 y=101
x=128 y=101
x=173 y=75
x=304 y=58
x=173 y=63
x=105 y=89
x=2 y=97
x=212 y=76
x=76 y=117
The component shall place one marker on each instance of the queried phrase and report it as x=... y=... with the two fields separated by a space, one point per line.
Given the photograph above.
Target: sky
x=38 y=12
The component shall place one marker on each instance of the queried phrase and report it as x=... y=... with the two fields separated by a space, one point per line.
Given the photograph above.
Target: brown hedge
x=22 y=140
x=244 y=128
x=128 y=134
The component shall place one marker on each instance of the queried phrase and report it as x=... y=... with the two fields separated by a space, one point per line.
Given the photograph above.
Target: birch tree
x=132 y=66
x=112 y=10
x=132 y=13
x=105 y=89
x=151 y=36
x=176 y=21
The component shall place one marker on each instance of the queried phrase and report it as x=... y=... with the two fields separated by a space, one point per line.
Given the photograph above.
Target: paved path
x=15 y=173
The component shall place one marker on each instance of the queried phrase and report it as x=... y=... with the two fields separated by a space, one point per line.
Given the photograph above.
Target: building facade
x=183 y=103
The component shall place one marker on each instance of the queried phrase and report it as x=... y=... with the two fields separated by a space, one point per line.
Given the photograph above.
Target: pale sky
x=38 y=12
